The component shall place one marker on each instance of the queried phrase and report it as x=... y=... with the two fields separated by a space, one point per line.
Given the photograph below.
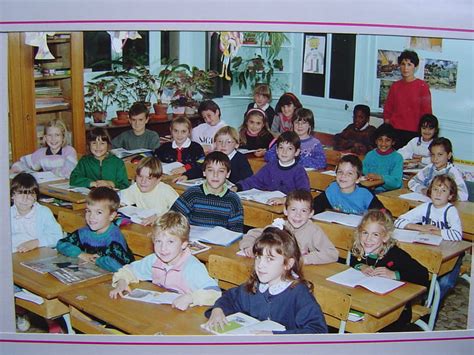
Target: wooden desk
x=380 y=311
x=318 y=180
x=131 y=317
x=465 y=208
x=78 y=200
x=45 y=285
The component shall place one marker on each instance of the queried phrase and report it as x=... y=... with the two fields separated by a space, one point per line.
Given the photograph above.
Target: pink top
x=171 y=277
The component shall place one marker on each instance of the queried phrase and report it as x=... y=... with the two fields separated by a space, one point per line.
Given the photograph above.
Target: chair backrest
x=397 y=206
x=430 y=258
x=334 y=304
x=139 y=239
x=332 y=157
x=131 y=170
x=228 y=272
x=341 y=236
x=256 y=163
x=319 y=181
x=71 y=220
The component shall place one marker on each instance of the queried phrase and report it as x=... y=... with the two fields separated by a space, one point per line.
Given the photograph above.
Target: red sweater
x=406 y=103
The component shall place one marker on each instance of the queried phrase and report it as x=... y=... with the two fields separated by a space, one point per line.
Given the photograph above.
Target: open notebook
x=259 y=195
x=351 y=220
x=214 y=235
x=168 y=167
x=408 y=236
x=352 y=278
x=148 y=296
x=136 y=214
x=415 y=196
x=240 y=323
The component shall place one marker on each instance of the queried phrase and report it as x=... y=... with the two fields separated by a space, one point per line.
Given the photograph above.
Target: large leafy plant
x=98 y=96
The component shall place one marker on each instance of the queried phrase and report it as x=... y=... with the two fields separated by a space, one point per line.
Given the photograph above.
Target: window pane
x=97 y=48
x=137 y=51
x=341 y=84
x=314 y=84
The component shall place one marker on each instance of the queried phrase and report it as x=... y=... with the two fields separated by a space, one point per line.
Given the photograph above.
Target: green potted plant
x=98 y=98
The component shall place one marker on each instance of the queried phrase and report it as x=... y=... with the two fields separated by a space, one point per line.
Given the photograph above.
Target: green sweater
x=90 y=169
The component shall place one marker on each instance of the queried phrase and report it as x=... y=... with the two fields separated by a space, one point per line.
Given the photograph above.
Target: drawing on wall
x=387 y=65
x=441 y=74
x=426 y=44
x=383 y=91
x=314 y=54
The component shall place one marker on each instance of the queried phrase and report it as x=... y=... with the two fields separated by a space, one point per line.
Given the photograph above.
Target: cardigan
x=295 y=308
x=39 y=224
x=423 y=178
x=389 y=166
x=406 y=103
x=239 y=168
x=191 y=157
x=129 y=140
x=273 y=177
x=311 y=154
x=356 y=202
x=445 y=218
x=90 y=169
x=60 y=164
x=110 y=245
x=315 y=246
x=211 y=210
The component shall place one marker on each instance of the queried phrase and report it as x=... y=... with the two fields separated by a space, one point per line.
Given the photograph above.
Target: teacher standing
x=407 y=100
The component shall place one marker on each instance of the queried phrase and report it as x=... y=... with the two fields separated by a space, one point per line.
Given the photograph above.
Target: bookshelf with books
x=43 y=89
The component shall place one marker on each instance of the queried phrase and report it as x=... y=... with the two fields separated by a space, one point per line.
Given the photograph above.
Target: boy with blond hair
x=171 y=266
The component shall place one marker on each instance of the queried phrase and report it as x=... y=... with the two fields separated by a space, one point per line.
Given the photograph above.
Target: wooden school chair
x=431 y=259
x=335 y=306
x=341 y=236
x=131 y=170
x=319 y=181
x=71 y=221
x=228 y=272
x=396 y=206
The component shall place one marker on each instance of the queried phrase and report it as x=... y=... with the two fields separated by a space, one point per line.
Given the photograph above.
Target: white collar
x=231 y=155
x=364 y=127
x=262 y=108
x=275 y=289
x=29 y=215
x=287 y=164
x=186 y=144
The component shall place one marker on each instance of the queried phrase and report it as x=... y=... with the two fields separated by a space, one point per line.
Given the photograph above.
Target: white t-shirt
x=204 y=133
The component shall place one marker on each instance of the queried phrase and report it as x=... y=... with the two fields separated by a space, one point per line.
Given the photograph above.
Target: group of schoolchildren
x=276 y=288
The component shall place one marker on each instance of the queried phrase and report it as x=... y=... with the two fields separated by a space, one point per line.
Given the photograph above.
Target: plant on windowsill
x=98 y=98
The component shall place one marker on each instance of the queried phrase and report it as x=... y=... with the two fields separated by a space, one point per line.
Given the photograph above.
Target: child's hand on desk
x=149 y=220
x=372 y=177
x=180 y=178
x=277 y=201
x=27 y=246
x=260 y=152
x=384 y=272
x=120 y=290
x=217 y=319
x=105 y=183
x=248 y=252
x=178 y=171
x=90 y=258
x=233 y=188
x=182 y=302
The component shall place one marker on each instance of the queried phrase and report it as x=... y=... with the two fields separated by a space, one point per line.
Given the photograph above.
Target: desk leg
x=67 y=320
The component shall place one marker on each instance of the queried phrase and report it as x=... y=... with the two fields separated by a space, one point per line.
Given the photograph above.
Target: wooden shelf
x=59 y=40
x=52 y=77
x=55 y=108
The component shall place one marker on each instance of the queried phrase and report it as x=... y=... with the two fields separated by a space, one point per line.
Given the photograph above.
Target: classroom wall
x=455 y=110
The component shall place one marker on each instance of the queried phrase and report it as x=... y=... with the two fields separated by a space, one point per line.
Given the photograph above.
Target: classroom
x=329 y=90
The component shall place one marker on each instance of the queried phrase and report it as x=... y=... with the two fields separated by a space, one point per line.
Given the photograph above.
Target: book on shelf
x=124 y=153
x=214 y=235
x=168 y=167
x=351 y=220
x=415 y=196
x=409 y=236
x=66 y=269
x=136 y=214
x=376 y=284
x=259 y=195
x=149 y=296
x=240 y=323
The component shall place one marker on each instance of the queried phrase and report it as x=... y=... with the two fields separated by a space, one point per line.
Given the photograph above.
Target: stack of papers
x=352 y=278
x=408 y=236
x=168 y=167
x=123 y=153
x=351 y=220
x=136 y=215
x=259 y=195
x=415 y=196
x=67 y=187
x=214 y=235
x=240 y=323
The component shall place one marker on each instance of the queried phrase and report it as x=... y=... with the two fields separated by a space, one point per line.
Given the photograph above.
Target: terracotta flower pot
x=122 y=115
x=99 y=116
x=160 y=109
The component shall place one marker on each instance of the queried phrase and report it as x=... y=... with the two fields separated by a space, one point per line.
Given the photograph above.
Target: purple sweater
x=273 y=177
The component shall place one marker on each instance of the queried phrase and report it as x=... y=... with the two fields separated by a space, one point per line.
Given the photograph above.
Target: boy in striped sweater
x=212 y=203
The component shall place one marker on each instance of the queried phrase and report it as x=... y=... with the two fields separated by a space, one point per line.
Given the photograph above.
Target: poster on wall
x=383 y=91
x=426 y=44
x=314 y=54
x=387 y=65
x=441 y=74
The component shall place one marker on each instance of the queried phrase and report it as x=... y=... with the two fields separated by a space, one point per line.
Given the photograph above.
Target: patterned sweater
x=111 y=247
x=211 y=210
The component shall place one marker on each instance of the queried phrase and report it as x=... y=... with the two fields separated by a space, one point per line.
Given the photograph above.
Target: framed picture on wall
x=314 y=54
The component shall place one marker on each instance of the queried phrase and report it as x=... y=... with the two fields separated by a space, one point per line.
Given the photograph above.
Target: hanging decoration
x=119 y=38
x=229 y=44
x=39 y=39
